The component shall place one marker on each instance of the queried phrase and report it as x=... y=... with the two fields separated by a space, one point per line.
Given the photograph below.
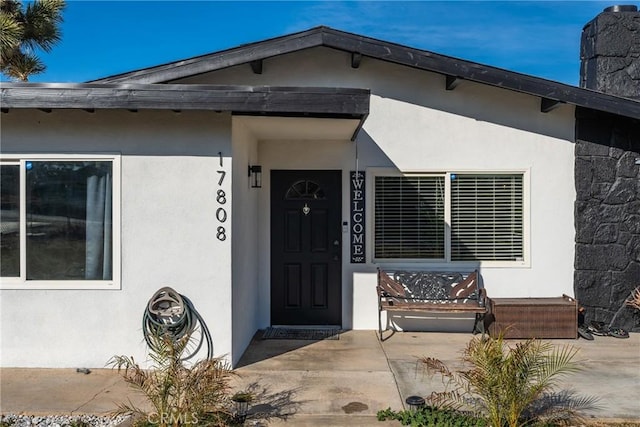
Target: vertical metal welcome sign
x=358 y=255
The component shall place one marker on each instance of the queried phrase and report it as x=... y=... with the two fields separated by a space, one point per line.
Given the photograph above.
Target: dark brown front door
x=306 y=266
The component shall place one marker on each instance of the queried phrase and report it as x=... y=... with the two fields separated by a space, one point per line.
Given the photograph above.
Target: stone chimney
x=607 y=173
x=610 y=52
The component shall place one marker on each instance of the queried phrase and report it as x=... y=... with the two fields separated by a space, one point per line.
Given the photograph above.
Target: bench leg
x=380 y=321
x=478 y=326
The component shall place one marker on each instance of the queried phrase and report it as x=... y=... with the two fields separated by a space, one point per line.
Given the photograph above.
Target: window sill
x=59 y=285
x=442 y=264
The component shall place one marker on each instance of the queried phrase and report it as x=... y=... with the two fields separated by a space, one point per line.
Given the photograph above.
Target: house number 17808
x=221 y=200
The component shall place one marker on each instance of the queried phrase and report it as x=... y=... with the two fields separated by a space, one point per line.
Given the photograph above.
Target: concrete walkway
x=332 y=382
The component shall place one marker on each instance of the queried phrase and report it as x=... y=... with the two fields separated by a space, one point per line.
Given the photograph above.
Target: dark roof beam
x=256 y=66
x=452 y=82
x=547 y=105
x=356 y=59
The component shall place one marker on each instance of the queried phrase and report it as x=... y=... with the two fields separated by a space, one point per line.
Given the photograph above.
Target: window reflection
x=10 y=220
x=68 y=220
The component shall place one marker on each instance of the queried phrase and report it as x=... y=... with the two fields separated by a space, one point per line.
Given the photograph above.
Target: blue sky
x=102 y=38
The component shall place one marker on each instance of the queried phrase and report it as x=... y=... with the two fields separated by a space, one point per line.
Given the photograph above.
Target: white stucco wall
x=438 y=141
x=416 y=125
x=246 y=305
x=169 y=183
x=168 y=238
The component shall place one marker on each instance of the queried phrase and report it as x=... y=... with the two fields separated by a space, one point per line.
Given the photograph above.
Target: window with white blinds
x=486 y=217
x=409 y=217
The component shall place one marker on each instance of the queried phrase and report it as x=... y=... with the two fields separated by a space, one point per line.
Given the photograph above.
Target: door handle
x=336 y=243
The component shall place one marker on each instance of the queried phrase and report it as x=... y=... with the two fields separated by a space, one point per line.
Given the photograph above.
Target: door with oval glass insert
x=306 y=247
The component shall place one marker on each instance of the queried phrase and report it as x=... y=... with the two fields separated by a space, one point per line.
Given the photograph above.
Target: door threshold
x=306 y=326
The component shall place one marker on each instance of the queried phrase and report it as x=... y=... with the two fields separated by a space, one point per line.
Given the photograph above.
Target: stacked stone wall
x=610 y=54
x=607 y=174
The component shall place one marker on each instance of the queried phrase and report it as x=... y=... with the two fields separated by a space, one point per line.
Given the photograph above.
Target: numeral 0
x=221 y=215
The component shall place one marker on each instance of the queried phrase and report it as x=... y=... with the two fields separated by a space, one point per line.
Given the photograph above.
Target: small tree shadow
x=269 y=405
x=561 y=407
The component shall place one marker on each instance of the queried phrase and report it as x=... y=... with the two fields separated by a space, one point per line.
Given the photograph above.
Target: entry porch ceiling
x=300 y=128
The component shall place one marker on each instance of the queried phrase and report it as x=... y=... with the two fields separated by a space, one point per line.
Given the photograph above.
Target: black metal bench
x=422 y=291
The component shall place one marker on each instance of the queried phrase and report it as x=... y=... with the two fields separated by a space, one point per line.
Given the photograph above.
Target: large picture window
x=57 y=218
x=409 y=217
x=484 y=213
x=486 y=217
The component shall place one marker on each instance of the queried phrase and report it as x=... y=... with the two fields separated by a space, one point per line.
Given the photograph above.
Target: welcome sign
x=357 y=235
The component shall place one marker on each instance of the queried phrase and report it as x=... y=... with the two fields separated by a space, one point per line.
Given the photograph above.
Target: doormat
x=301 y=334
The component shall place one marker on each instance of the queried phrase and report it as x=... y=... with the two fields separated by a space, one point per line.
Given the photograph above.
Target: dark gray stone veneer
x=607 y=212
x=610 y=53
x=607 y=173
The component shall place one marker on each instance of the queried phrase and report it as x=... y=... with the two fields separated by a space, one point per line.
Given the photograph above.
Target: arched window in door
x=305 y=190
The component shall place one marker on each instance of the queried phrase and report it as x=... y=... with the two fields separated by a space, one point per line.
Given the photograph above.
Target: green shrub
x=432 y=417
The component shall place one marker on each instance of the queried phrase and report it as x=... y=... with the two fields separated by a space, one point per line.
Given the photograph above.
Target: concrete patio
x=333 y=382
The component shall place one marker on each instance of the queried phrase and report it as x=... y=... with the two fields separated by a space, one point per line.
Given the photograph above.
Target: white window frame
x=447 y=262
x=22 y=282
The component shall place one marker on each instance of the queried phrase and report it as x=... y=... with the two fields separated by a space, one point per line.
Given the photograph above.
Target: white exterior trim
x=447 y=263
x=22 y=282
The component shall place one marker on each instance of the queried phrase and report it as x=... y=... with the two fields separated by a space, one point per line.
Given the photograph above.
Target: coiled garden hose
x=173 y=313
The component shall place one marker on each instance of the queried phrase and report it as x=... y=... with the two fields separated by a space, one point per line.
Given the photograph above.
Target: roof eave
x=307 y=101
x=551 y=93
x=223 y=59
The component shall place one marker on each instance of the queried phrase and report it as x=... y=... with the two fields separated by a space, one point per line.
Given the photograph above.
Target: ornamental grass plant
x=634 y=298
x=511 y=385
x=180 y=395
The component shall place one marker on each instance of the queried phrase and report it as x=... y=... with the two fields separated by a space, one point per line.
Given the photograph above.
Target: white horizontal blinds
x=486 y=217
x=409 y=217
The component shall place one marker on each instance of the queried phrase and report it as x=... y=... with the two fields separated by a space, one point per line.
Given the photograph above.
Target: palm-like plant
x=180 y=395
x=512 y=386
x=25 y=30
x=634 y=299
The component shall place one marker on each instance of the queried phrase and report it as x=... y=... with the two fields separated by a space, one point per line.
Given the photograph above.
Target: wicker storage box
x=534 y=317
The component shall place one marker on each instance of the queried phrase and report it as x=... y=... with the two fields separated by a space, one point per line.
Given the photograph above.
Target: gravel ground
x=12 y=420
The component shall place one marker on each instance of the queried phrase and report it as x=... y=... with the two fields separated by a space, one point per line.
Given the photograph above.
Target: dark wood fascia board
x=596 y=101
x=269 y=100
x=359 y=46
x=484 y=74
x=227 y=58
